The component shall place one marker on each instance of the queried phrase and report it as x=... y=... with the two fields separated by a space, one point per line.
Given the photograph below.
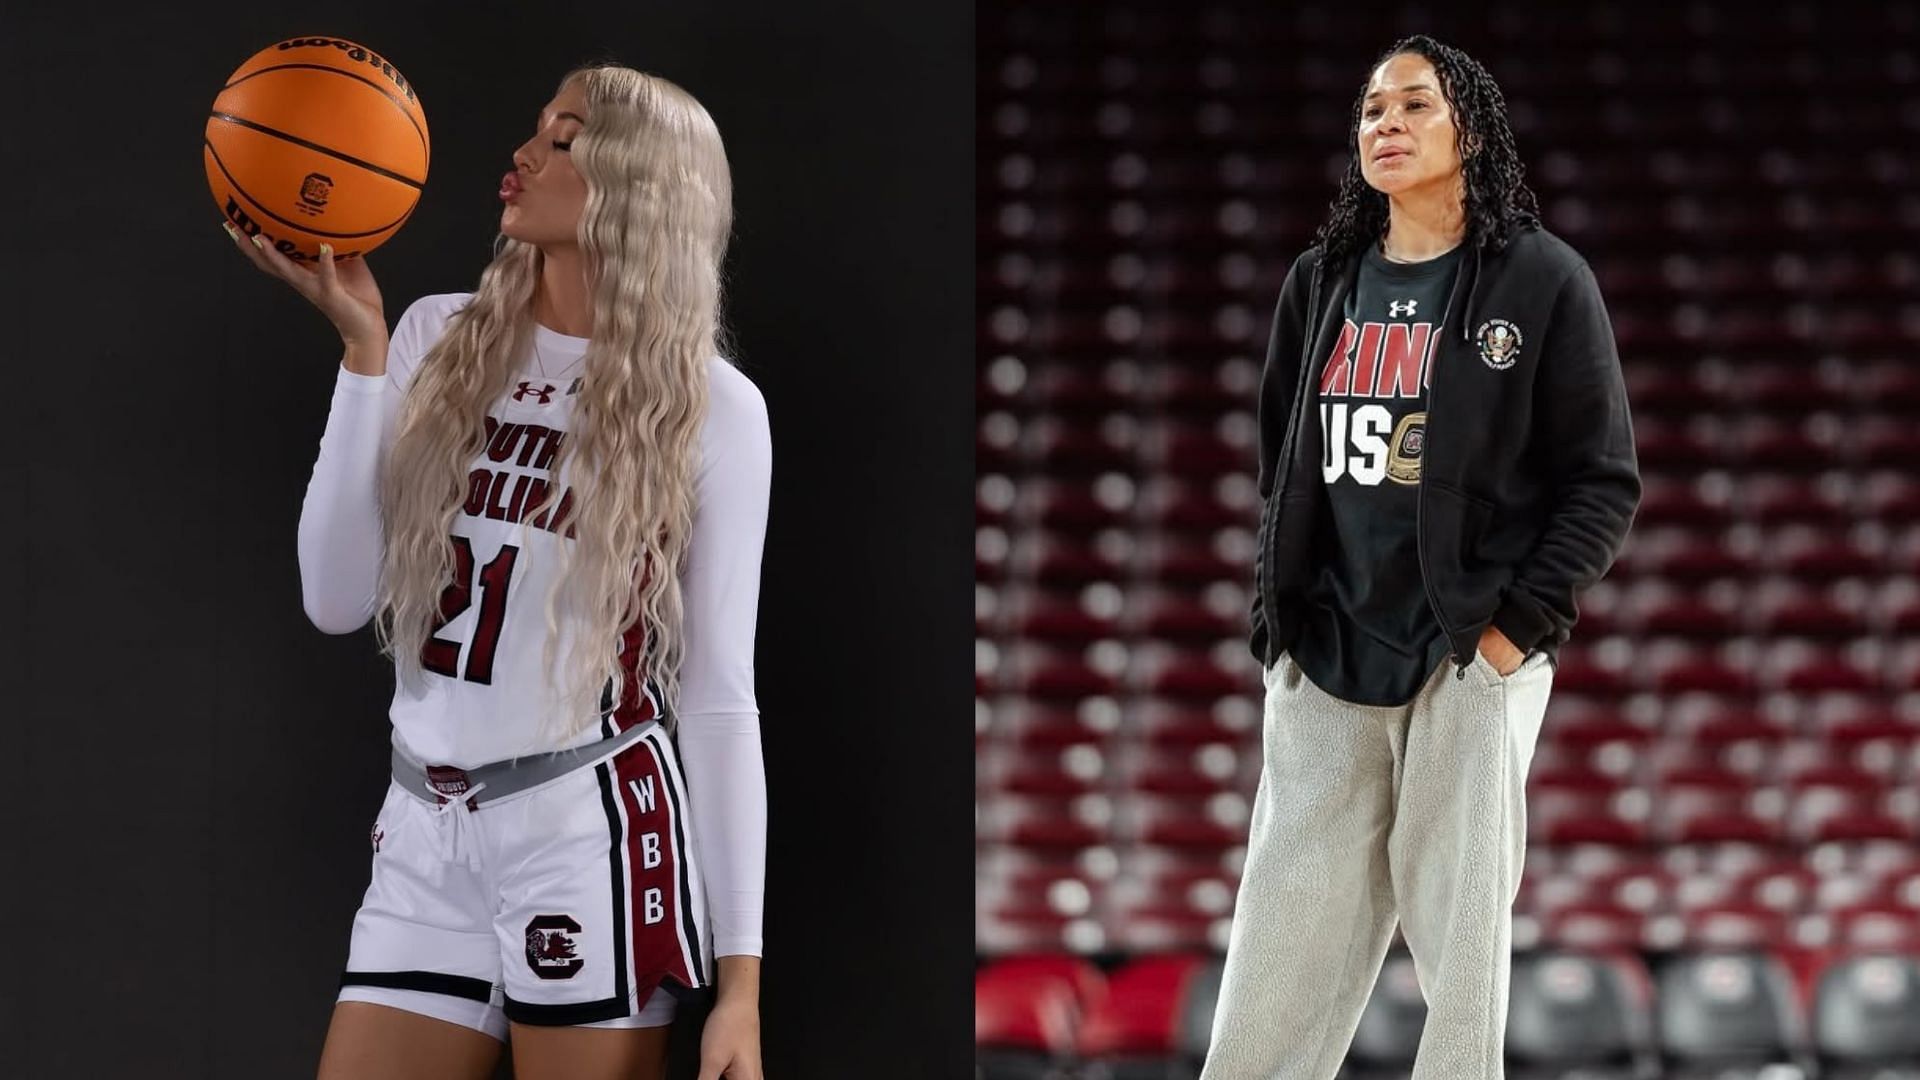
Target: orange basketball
x=317 y=140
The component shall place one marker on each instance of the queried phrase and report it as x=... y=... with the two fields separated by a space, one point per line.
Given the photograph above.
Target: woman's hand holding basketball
x=345 y=292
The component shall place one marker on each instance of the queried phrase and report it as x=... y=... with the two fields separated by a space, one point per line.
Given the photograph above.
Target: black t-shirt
x=1369 y=635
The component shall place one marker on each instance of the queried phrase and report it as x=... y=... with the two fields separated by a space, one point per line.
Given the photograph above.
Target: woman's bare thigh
x=584 y=1053
x=376 y=1042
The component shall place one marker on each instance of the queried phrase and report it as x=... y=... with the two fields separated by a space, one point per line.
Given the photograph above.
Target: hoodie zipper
x=1419 y=519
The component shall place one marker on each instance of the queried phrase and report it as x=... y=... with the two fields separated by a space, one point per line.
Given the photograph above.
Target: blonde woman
x=550 y=495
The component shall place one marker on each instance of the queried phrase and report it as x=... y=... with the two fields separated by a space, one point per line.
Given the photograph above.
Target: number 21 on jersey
x=441 y=656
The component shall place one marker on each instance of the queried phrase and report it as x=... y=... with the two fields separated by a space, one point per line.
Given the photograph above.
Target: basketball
x=317 y=140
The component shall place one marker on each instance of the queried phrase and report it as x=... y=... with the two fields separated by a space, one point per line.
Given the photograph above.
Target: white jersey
x=485 y=691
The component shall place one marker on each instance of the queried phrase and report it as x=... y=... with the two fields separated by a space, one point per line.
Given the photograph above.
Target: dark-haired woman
x=1411 y=594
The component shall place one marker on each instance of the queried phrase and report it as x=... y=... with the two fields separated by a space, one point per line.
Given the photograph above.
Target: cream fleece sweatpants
x=1363 y=815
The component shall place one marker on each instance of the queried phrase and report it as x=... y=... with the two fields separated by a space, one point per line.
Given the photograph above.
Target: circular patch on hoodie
x=1499 y=343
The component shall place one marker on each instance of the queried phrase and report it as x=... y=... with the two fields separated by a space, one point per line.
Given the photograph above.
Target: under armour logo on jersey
x=1393 y=307
x=545 y=392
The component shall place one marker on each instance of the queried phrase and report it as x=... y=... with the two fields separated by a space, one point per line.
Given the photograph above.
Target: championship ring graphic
x=1408 y=443
x=1499 y=343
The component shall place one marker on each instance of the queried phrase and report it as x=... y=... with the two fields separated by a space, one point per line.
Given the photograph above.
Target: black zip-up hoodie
x=1528 y=478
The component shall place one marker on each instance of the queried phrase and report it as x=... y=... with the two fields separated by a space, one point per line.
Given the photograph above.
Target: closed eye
x=1374 y=110
x=558 y=145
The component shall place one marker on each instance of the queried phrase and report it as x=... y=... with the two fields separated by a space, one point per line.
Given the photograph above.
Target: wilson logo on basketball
x=314 y=190
x=358 y=54
x=550 y=947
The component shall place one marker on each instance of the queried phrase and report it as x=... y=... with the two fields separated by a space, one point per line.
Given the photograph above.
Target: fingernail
x=326 y=250
x=228 y=225
x=259 y=243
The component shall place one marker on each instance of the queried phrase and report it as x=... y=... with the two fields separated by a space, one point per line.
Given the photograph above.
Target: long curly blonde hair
x=658 y=215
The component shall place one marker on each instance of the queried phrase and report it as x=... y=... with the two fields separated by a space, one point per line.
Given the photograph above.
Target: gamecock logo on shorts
x=550 y=946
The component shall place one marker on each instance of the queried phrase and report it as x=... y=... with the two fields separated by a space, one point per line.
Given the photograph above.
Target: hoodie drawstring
x=1466 y=317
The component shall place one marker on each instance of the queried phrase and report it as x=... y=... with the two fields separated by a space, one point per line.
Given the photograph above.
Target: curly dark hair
x=1497 y=197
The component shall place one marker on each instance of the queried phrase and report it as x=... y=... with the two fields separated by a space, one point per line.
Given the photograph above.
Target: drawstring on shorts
x=457 y=842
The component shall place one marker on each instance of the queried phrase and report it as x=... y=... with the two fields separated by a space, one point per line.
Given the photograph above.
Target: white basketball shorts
x=573 y=903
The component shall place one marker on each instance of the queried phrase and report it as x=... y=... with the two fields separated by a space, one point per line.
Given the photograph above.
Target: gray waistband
x=502 y=779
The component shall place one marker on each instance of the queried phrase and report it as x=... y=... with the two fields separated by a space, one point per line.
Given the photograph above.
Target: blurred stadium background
x=1723 y=875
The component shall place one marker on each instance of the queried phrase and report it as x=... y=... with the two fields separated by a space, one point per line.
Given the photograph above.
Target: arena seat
x=1024 y=1016
x=1141 y=1029
x=1866 y=1016
x=1571 y=1011
x=1722 y=1011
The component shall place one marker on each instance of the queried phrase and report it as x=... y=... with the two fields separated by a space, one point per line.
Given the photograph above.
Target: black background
x=191 y=769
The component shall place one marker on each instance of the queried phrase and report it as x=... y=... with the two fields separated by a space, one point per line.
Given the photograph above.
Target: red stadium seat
x=1078 y=506
x=1197 y=617
x=1681 y=554
x=1595 y=926
x=1810 y=553
x=1066 y=562
x=1082 y=446
x=1057 y=674
x=1063 y=771
x=1177 y=561
x=1592 y=810
x=1193 y=674
x=1734 y=927
x=1204 y=390
x=1201 y=506
x=1189 y=912
x=1045 y=823
x=1195 y=823
x=1030 y=1015
x=1173 y=724
x=1844 y=806
x=1198 y=771
x=1021 y=722
x=1679 y=444
x=1674 y=667
x=1591 y=672
x=1038 y=912
x=1808 y=444
x=1888 y=441
x=1807 y=667
x=1200 y=450
x=1780 y=497
x=1140 y=1015
x=1061 y=616
x=1891 y=496
x=1706 y=808
x=1079 y=390
x=1668 y=499
x=1894 y=608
